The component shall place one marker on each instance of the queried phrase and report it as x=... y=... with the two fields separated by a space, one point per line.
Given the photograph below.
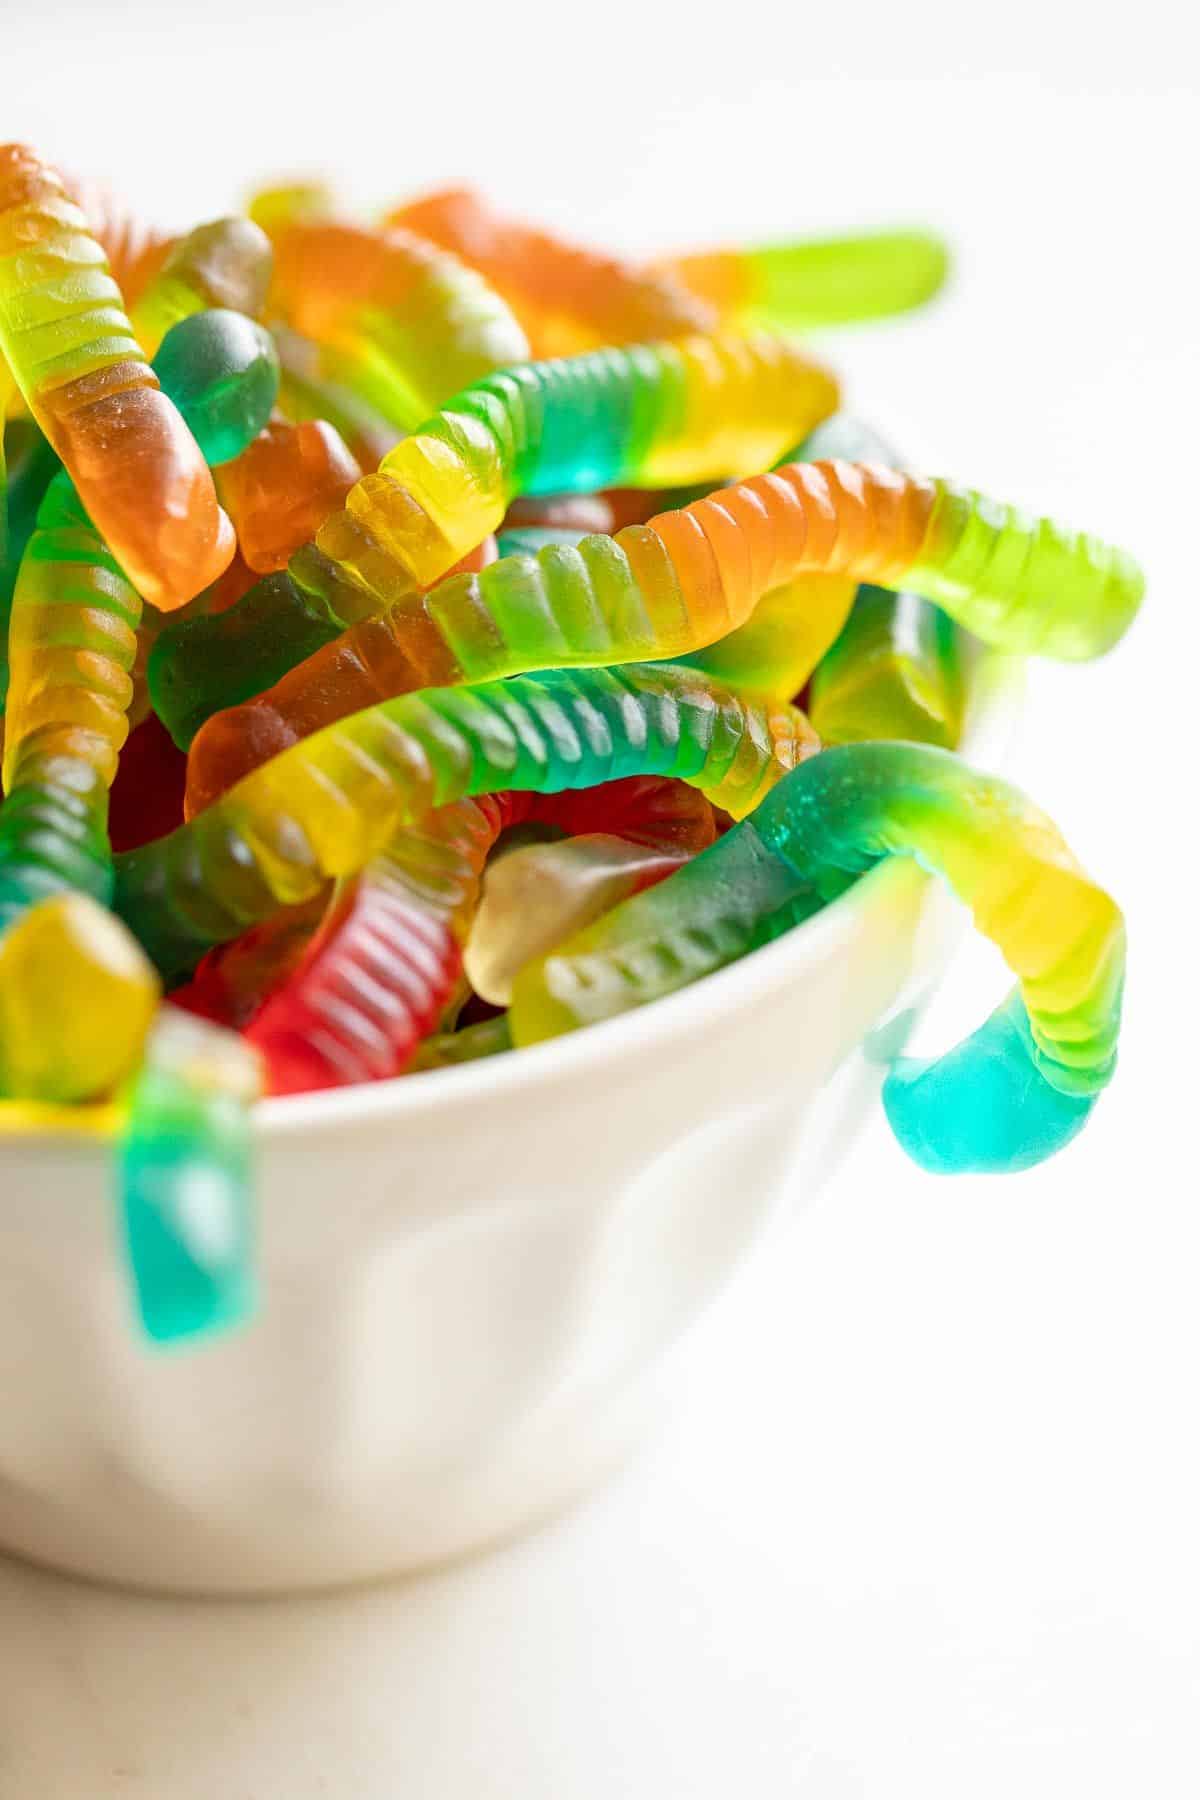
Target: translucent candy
x=222 y=372
x=326 y=806
x=894 y=672
x=184 y=1169
x=76 y=999
x=686 y=580
x=568 y=298
x=409 y=323
x=72 y=352
x=649 y=416
x=1009 y=1095
x=283 y=487
x=805 y=286
x=225 y=265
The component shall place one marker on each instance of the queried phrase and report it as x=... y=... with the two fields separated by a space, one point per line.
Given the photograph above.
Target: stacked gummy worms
x=404 y=630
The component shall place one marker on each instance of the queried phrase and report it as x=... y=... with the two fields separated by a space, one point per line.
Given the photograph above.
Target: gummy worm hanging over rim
x=1009 y=1095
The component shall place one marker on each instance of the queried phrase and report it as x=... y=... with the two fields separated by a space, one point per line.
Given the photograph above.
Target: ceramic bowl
x=472 y=1278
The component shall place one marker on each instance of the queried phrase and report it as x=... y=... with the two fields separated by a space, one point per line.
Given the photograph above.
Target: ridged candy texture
x=1017 y=581
x=644 y=417
x=1018 y=1088
x=706 y=407
x=411 y=323
x=687 y=579
x=780 y=644
x=72 y=640
x=83 y=375
x=377 y=976
x=325 y=807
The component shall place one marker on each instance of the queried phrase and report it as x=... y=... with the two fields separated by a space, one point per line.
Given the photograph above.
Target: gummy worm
x=326 y=806
x=774 y=651
x=703 y=407
x=569 y=298
x=808 y=285
x=410 y=323
x=1024 y=1082
x=689 y=577
x=184 y=1175
x=71 y=350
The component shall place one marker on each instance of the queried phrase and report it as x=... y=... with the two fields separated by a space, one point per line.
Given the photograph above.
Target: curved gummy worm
x=688 y=578
x=225 y=264
x=1024 y=1082
x=73 y=643
x=184 y=1174
x=824 y=281
x=376 y=978
x=232 y=981
x=72 y=352
x=326 y=806
x=569 y=298
x=704 y=406
x=409 y=323
x=539 y=895
x=73 y=638
x=780 y=644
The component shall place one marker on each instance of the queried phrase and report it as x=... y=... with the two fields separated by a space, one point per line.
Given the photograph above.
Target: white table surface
x=924 y=1522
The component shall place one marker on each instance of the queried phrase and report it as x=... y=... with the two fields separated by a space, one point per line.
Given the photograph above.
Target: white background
x=926 y=1523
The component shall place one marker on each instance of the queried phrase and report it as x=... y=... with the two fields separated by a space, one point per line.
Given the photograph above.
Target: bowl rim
x=995 y=687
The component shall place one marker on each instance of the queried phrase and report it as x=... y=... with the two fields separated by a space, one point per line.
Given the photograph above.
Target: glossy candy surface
x=184 y=1170
x=73 y=638
x=282 y=488
x=353 y=1002
x=221 y=369
x=409 y=324
x=894 y=672
x=325 y=807
x=895 y=668
x=686 y=579
x=1016 y=1090
x=72 y=352
x=651 y=415
x=775 y=651
x=76 y=999
x=224 y=265
x=425 y=781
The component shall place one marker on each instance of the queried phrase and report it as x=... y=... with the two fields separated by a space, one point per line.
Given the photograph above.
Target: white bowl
x=471 y=1278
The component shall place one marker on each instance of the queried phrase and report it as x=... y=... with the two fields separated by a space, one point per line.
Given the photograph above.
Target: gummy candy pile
x=426 y=637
